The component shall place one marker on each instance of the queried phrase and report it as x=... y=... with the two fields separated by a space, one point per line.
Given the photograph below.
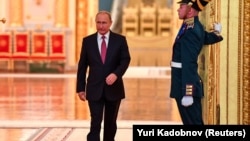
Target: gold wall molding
x=209 y=62
x=245 y=62
x=61 y=13
x=225 y=66
x=81 y=24
x=16 y=13
x=82 y=16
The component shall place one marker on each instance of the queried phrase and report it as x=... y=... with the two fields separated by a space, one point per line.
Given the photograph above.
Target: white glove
x=217 y=27
x=187 y=101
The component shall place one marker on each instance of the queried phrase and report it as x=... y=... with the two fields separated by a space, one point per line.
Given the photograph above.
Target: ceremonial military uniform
x=185 y=80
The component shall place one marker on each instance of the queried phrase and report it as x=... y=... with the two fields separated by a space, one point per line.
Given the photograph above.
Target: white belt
x=176 y=64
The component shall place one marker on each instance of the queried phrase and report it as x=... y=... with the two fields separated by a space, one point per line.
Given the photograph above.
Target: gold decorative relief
x=16 y=12
x=61 y=13
x=246 y=62
x=81 y=31
x=3 y=20
x=81 y=23
x=213 y=93
x=210 y=63
x=38 y=2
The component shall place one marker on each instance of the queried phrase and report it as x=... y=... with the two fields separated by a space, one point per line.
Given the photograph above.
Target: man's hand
x=218 y=27
x=82 y=96
x=110 y=79
x=187 y=101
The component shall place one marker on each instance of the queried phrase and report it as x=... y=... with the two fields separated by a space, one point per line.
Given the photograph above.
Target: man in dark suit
x=103 y=87
x=186 y=84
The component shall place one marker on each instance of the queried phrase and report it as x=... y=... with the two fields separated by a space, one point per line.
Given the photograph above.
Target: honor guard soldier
x=186 y=84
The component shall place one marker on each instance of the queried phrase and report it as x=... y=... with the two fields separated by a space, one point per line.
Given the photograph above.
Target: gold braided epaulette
x=189 y=22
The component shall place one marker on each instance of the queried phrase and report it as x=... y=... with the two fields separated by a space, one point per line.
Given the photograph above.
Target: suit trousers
x=110 y=111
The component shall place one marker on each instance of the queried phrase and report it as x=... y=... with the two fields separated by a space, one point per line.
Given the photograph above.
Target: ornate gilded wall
x=46 y=12
x=208 y=62
x=245 y=12
x=225 y=66
x=61 y=18
x=85 y=21
x=81 y=23
x=16 y=15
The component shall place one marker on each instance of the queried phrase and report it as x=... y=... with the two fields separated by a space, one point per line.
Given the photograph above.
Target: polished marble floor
x=35 y=106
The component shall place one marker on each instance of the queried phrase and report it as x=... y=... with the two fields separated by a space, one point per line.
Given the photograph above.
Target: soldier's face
x=183 y=11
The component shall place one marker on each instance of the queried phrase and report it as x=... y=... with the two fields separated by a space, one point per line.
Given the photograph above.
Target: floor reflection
x=53 y=97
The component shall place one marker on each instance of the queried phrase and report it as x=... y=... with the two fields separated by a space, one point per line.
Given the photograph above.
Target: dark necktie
x=103 y=49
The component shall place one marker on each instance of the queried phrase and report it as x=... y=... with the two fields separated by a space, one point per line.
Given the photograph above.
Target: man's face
x=183 y=11
x=103 y=23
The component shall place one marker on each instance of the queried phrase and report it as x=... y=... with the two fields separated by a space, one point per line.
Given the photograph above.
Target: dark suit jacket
x=186 y=49
x=117 y=61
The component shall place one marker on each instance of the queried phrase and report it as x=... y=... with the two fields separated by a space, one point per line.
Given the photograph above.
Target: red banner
x=57 y=46
x=39 y=46
x=5 y=45
x=21 y=48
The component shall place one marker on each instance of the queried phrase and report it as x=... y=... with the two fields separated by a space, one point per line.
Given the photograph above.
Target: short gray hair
x=105 y=12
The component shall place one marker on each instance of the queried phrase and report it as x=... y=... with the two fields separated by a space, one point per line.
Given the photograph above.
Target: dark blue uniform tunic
x=185 y=79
